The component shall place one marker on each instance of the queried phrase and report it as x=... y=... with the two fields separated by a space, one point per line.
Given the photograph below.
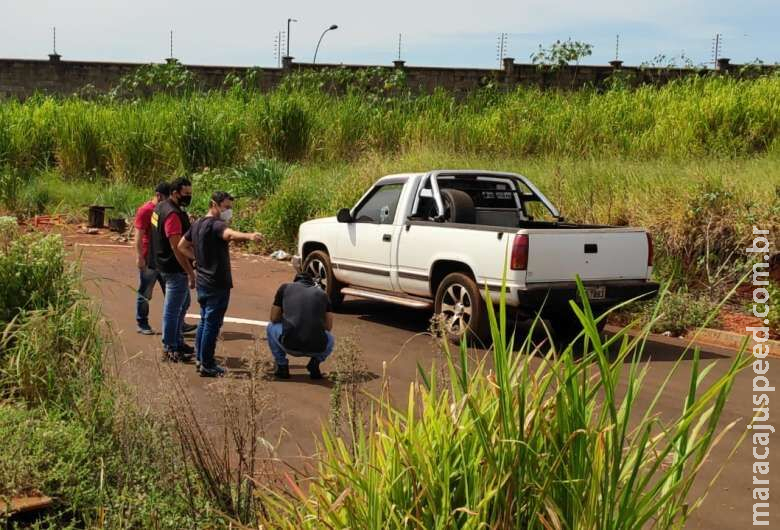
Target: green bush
x=34 y=275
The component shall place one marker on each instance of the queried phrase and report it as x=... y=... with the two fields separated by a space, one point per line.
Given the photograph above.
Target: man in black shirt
x=206 y=242
x=169 y=222
x=301 y=321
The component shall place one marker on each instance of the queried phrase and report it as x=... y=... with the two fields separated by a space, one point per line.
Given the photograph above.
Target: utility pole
x=278 y=48
x=399 y=46
x=617 y=47
x=170 y=57
x=501 y=48
x=717 y=45
x=54 y=40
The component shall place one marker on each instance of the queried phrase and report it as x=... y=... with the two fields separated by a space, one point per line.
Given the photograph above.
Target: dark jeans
x=147 y=278
x=213 y=305
x=177 y=301
x=274 y=334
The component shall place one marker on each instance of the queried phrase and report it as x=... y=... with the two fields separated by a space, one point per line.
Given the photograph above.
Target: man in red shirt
x=148 y=275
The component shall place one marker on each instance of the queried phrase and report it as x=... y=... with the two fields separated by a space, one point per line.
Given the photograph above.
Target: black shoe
x=188 y=328
x=282 y=371
x=186 y=349
x=314 y=369
x=214 y=371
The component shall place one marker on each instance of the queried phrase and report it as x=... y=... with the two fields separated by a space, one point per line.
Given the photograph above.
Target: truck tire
x=458 y=206
x=461 y=308
x=317 y=263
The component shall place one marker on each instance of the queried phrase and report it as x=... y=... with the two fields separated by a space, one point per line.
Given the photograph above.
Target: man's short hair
x=218 y=196
x=179 y=183
x=164 y=189
x=304 y=277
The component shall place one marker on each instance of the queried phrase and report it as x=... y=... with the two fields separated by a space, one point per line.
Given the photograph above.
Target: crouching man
x=301 y=321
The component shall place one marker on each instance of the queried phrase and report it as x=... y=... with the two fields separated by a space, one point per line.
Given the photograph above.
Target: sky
x=433 y=33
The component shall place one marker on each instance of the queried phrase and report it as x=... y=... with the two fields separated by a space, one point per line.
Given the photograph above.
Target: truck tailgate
x=558 y=255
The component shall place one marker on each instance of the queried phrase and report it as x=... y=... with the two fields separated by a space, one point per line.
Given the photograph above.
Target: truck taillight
x=520 y=253
x=649 y=249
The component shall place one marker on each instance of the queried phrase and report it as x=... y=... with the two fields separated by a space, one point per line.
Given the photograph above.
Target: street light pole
x=331 y=27
x=288 y=35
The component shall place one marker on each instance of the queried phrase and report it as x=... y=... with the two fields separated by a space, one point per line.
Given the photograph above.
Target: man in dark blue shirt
x=301 y=324
x=206 y=242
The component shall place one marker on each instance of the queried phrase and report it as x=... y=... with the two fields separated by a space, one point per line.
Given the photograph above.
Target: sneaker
x=186 y=349
x=170 y=357
x=282 y=371
x=214 y=371
x=189 y=328
x=314 y=369
x=145 y=330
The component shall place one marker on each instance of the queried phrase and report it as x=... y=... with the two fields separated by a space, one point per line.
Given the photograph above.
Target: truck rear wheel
x=460 y=307
x=317 y=263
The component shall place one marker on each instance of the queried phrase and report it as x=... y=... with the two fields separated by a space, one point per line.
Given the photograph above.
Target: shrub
x=33 y=275
x=288 y=127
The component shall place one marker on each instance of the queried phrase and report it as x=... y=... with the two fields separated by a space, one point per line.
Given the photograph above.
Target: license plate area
x=596 y=292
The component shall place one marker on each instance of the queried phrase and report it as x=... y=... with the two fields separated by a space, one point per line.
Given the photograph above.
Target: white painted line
x=233 y=320
x=100 y=245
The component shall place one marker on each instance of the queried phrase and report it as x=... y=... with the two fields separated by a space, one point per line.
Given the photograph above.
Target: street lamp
x=288 y=35
x=332 y=26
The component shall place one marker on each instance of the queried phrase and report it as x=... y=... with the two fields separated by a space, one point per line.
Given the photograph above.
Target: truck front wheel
x=317 y=263
x=460 y=308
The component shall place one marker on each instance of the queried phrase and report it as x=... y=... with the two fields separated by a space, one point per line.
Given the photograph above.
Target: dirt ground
x=392 y=342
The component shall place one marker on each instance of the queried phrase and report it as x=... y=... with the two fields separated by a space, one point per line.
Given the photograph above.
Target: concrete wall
x=20 y=78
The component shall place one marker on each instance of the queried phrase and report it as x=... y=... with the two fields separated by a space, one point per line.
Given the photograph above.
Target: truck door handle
x=386 y=237
x=591 y=248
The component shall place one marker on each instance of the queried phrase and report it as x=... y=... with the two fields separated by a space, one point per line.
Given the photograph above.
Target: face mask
x=185 y=200
x=226 y=215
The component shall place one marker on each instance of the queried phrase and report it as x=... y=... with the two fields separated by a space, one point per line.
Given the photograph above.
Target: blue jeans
x=177 y=301
x=274 y=333
x=213 y=305
x=147 y=278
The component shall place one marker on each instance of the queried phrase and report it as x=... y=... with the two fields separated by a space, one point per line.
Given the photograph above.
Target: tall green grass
x=146 y=139
x=67 y=430
x=553 y=443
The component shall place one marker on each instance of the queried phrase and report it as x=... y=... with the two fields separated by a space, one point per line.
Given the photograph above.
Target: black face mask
x=185 y=200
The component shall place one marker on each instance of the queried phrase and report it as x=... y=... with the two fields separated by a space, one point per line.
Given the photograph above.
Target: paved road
x=392 y=340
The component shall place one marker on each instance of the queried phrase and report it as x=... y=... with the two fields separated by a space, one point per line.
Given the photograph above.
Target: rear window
x=484 y=193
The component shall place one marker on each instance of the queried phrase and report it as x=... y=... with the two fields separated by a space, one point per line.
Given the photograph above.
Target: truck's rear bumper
x=553 y=296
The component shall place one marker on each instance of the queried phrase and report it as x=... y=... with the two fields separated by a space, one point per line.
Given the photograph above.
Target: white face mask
x=226 y=215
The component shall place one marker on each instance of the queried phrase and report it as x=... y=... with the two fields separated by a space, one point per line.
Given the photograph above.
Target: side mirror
x=344 y=216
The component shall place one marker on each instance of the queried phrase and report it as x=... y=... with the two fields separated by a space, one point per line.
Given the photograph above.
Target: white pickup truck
x=436 y=239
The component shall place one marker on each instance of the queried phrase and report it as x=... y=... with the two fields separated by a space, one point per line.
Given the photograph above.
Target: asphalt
x=391 y=342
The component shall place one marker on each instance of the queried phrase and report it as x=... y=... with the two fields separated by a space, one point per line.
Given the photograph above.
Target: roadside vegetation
x=68 y=431
x=533 y=441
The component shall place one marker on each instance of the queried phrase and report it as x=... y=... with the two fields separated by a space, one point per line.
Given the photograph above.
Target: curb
x=729 y=339
x=706 y=338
